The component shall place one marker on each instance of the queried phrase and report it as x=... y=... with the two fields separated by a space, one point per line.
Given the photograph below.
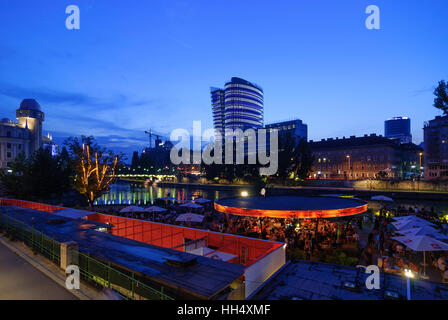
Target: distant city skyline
x=138 y=65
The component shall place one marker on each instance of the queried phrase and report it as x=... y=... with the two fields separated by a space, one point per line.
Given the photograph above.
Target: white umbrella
x=409 y=224
x=132 y=209
x=190 y=217
x=422 y=243
x=201 y=200
x=155 y=209
x=424 y=231
x=402 y=218
x=381 y=198
x=191 y=205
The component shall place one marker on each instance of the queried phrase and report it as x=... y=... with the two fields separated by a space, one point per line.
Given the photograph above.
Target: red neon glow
x=247 y=250
x=30 y=205
x=299 y=214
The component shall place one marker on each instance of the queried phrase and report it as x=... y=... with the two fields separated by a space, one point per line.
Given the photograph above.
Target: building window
x=8 y=145
x=8 y=134
x=8 y=154
x=20 y=147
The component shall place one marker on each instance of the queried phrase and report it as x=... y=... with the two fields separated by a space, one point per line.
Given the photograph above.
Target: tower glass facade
x=398 y=128
x=238 y=105
x=243 y=104
x=218 y=109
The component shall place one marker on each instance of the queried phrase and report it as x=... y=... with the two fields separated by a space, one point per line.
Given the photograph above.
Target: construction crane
x=151 y=133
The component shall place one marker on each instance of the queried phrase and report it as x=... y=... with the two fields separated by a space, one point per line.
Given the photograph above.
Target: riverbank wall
x=355 y=189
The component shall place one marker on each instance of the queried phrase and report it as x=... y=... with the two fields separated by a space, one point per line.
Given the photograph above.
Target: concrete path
x=19 y=280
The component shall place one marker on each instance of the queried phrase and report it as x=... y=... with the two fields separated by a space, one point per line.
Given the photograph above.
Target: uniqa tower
x=238 y=105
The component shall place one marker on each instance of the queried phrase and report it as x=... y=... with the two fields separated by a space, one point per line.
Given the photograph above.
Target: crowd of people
x=382 y=250
x=372 y=235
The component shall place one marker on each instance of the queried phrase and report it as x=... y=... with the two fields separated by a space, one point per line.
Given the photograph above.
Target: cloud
x=58 y=97
x=421 y=91
x=118 y=122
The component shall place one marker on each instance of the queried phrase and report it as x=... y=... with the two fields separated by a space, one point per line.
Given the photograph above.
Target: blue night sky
x=136 y=65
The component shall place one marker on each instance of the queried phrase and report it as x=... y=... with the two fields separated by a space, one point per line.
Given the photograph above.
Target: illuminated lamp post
x=349 y=169
x=409 y=275
x=420 y=157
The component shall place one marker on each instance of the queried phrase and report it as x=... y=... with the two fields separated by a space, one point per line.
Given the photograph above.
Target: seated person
x=441 y=262
x=388 y=263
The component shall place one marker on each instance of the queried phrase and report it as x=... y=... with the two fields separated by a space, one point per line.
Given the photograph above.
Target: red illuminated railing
x=247 y=250
x=30 y=205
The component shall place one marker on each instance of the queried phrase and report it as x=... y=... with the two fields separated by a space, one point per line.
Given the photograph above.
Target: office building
x=366 y=157
x=436 y=148
x=398 y=128
x=238 y=106
x=296 y=127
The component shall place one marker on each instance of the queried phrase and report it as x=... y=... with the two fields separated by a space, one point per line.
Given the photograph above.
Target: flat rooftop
x=308 y=280
x=204 y=279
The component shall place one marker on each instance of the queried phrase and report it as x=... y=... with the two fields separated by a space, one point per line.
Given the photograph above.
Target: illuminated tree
x=94 y=167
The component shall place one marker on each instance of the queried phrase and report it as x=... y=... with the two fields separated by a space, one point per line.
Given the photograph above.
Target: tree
x=135 y=160
x=295 y=157
x=441 y=97
x=41 y=177
x=94 y=167
x=287 y=154
x=304 y=161
x=17 y=183
x=48 y=177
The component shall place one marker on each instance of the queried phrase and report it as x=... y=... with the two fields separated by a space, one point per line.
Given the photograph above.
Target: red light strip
x=299 y=214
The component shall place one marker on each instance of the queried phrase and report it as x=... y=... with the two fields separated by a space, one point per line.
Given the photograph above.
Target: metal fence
x=33 y=238
x=91 y=269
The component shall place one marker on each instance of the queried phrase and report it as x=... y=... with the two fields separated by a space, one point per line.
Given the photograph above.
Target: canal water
x=137 y=194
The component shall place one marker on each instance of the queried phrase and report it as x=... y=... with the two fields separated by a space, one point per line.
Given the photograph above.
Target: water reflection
x=139 y=195
x=124 y=193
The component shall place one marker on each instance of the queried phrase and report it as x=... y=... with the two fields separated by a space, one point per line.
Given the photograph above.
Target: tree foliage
x=441 y=97
x=40 y=177
x=94 y=167
x=295 y=158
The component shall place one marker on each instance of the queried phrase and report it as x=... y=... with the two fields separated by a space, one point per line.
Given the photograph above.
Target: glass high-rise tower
x=238 y=105
x=398 y=128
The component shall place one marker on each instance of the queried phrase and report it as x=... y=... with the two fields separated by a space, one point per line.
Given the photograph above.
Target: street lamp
x=409 y=275
x=420 y=155
x=349 y=170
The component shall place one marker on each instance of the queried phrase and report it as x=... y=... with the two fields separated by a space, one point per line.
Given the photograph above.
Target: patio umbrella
x=190 y=217
x=201 y=200
x=381 y=198
x=402 y=218
x=191 y=205
x=132 y=209
x=155 y=209
x=424 y=231
x=422 y=243
x=411 y=223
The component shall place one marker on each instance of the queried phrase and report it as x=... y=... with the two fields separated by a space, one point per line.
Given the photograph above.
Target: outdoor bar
x=299 y=207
